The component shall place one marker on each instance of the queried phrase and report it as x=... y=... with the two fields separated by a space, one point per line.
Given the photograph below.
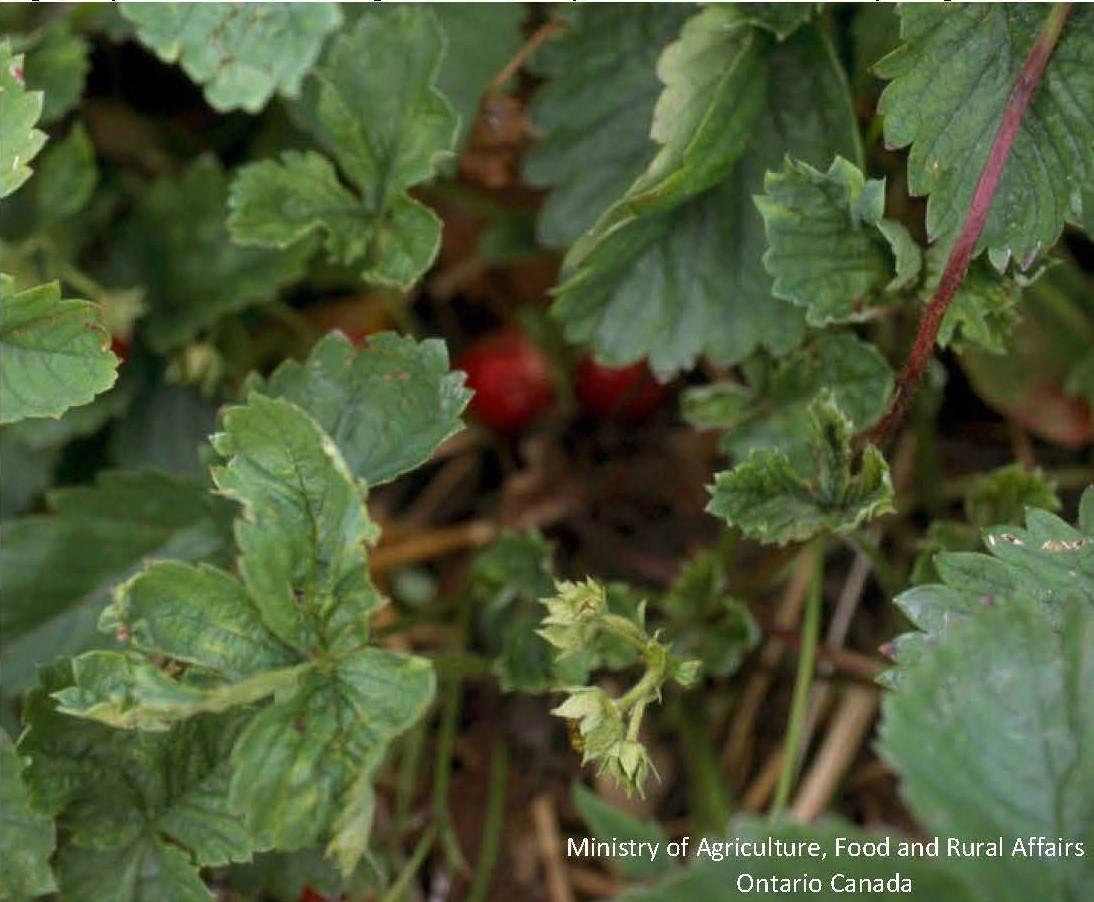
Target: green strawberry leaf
x=26 y=837
x=593 y=112
x=57 y=62
x=673 y=269
x=767 y=498
x=1004 y=494
x=377 y=111
x=54 y=353
x=991 y=735
x=140 y=812
x=506 y=582
x=67 y=177
x=771 y=410
x=293 y=626
x=827 y=251
x=176 y=246
x=1049 y=563
x=241 y=53
x=705 y=621
x=20 y=110
x=387 y=406
x=976 y=51
x=983 y=312
x=59 y=566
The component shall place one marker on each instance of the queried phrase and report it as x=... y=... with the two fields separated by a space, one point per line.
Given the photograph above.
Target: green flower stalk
x=607 y=728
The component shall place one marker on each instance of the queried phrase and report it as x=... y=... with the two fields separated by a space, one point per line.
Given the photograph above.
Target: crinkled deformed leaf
x=673 y=269
x=1048 y=562
x=983 y=312
x=593 y=112
x=293 y=626
x=57 y=567
x=20 y=111
x=54 y=353
x=176 y=246
x=387 y=406
x=506 y=582
x=1004 y=494
x=770 y=500
x=304 y=531
x=715 y=881
x=57 y=64
x=991 y=734
x=771 y=410
x=241 y=53
x=705 y=621
x=949 y=82
x=140 y=812
x=296 y=767
x=26 y=836
x=378 y=113
x=827 y=251
x=470 y=63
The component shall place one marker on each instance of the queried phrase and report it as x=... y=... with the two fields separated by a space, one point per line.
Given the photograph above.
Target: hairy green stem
x=398 y=889
x=446 y=741
x=807 y=659
x=409 y=768
x=1025 y=86
x=493 y=823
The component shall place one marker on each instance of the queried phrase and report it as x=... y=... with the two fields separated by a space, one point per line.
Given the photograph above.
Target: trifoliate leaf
x=991 y=735
x=58 y=567
x=949 y=83
x=177 y=247
x=827 y=252
x=771 y=410
x=1003 y=495
x=140 y=812
x=378 y=113
x=20 y=110
x=714 y=875
x=67 y=177
x=469 y=62
x=673 y=270
x=1048 y=562
x=387 y=406
x=241 y=53
x=57 y=64
x=983 y=312
x=767 y=498
x=293 y=626
x=26 y=836
x=593 y=112
x=54 y=353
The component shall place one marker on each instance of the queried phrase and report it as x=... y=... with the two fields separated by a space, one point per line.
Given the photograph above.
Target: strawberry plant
x=276 y=626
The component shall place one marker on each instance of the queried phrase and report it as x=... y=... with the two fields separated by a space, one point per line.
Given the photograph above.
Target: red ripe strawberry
x=628 y=392
x=511 y=379
x=310 y=895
